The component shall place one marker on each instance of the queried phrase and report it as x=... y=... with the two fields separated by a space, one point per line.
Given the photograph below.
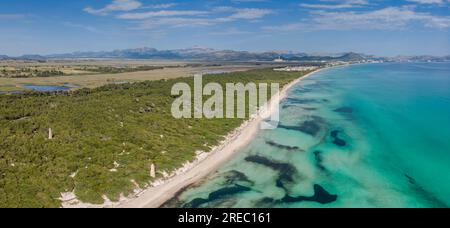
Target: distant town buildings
x=278 y=60
x=323 y=63
x=297 y=68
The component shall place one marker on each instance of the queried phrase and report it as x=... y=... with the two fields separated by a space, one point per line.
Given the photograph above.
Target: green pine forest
x=124 y=127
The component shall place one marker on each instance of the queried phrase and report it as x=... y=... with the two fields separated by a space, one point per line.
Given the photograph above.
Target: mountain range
x=196 y=53
x=208 y=54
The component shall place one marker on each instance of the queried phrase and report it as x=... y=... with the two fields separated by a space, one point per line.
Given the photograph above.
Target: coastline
x=163 y=190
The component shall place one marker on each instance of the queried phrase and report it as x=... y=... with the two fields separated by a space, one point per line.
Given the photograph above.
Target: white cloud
x=387 y=18
x=287 y=27
x=177 y=18
x=172 y=19
x=115 y=5
x=245 y=1
x=162 y=13
x=390 y=18
x=161 y=6
x=242 y=13
x=192 y=18
x=229 y=32
x=322 y=6
x=427 y=1
x=341 y=4
x=174 y=22
x=250 y=14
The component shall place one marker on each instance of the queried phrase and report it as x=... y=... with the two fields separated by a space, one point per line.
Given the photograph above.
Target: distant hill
x=421 y=58
x=4 y=57
x=352 y=57
x=208 y=54
x=32 y=57
x=139 y=53
x=344 y=57
x=196 y=53
x=24 y=57
x=203 y=54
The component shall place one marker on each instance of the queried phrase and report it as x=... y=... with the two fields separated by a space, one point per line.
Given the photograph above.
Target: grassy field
x=105 y=139
x=92 y=74
x=55 y=71
x=9 y=88
x=96 y=80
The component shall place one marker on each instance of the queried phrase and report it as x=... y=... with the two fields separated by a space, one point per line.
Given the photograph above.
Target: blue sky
x=381 y=27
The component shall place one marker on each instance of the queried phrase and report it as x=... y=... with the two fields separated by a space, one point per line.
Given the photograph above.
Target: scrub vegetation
x=104 y=139
x=54 y=71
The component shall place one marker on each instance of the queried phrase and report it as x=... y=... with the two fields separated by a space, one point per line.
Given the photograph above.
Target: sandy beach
x=156 y=196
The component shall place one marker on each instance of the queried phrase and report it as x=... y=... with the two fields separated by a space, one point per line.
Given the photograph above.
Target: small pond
x=50 y=88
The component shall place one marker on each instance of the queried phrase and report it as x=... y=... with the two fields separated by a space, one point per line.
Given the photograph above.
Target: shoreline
x=206 y=163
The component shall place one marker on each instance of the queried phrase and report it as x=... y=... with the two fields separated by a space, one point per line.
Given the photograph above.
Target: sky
x=378 y=27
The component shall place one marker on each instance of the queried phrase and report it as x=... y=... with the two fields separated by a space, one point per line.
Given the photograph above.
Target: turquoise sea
x=375 y=135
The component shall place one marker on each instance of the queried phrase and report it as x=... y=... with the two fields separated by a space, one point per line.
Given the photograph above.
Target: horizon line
x=312 y=53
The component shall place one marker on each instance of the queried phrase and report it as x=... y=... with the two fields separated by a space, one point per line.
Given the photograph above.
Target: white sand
x=192 y=173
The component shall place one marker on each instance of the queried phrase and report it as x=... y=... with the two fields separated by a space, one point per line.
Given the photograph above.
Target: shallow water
x=357 y=136
x=48 y=88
